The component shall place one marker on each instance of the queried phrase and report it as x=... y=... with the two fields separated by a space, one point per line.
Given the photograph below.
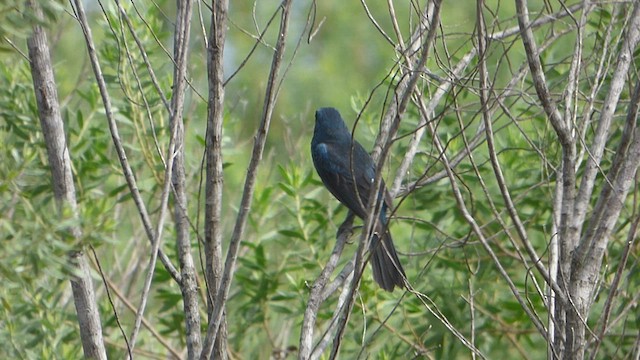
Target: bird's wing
x=338 y=171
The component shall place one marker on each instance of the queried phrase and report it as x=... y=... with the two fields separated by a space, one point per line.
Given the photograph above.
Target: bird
x=348 y=172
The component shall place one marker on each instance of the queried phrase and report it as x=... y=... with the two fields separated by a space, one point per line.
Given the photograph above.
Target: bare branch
x=247 y=194
x=326 y=338
x=145 y=58
x=539 y=80
x=215 y=175
x=618 y=80
x=189 y=285
x=613 y=291
x=46 y=95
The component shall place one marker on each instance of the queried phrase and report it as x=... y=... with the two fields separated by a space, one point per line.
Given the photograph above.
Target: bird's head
x=329 y=124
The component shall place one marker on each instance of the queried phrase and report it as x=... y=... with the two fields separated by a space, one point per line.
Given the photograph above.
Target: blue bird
x=348 y=171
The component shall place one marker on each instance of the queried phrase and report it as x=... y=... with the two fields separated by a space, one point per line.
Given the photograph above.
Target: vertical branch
x=63 y=187
x=617 y=84
x=215 y=176
x=249 y=186
x=613 y=291
x=618 y=81
x=472 y=324
x=155 y=247
x=553 y=309
x=587 y=261
x=568 y=237
x=570 y=94
x=189 y=286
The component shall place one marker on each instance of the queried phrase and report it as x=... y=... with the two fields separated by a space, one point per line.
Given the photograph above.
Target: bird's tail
x=387 y=270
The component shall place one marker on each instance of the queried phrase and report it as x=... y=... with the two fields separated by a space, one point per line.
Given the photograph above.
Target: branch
x=214 y=162
x=317 y=294
x=143 y=53
x=607 y=209
x=325 y=339
x=247 y=194
x=413 y=147
x=63 y=188
x=568 y=234
x=613 y=289
x=154 y=236
x=189 y=285
x=539 y=80
x=625 y=58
